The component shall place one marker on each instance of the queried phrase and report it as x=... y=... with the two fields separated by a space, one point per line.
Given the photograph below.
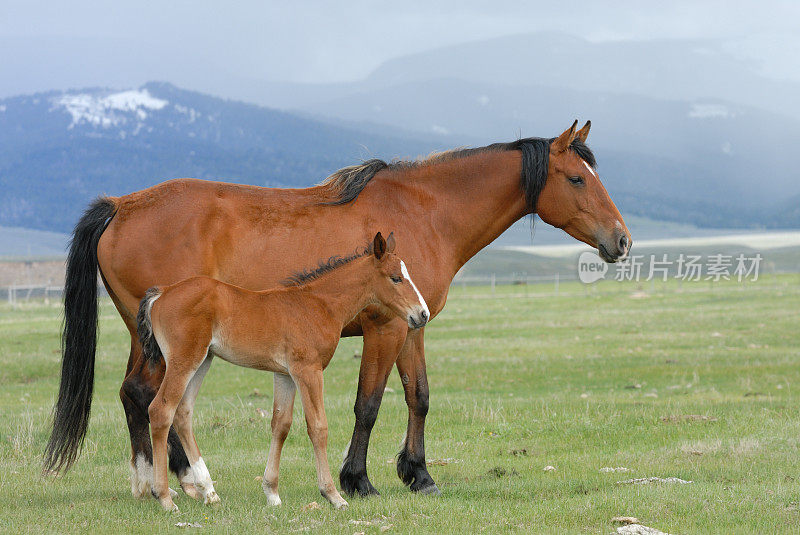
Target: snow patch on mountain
x=108 y=110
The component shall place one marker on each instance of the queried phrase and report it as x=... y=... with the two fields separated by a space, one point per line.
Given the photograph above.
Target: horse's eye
x=397 y=280
x=576 y=180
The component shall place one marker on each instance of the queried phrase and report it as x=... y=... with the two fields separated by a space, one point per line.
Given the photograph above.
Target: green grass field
x=702 y=384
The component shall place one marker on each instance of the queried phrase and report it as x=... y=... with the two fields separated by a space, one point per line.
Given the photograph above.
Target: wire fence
x=493 y=285
x=22 y=293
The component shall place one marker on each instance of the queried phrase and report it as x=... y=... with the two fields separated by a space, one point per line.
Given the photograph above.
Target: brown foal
x=292 y=332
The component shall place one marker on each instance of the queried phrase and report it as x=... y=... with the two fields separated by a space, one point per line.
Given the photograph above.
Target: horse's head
x=574 y=199
x=394 y=287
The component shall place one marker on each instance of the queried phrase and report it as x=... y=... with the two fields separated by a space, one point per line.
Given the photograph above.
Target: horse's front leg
x=411 y=466
x=382 y=342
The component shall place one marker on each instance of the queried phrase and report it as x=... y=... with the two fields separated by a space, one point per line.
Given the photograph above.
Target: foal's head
x=393 y=285
x=574 y=199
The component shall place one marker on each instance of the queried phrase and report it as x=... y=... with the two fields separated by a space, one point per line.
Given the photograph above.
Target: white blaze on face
x=589 y=167
x=422 y=302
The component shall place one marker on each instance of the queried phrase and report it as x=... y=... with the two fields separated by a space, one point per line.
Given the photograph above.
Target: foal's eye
x=397 y=280
x=576 y=180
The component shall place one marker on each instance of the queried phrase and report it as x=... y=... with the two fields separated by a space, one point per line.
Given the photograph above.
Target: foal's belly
x=272 y=359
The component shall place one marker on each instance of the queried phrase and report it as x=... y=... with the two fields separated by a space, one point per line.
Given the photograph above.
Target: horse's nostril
x=424 y=316
x=623 y=243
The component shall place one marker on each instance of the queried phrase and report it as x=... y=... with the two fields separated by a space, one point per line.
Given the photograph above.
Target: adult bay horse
x=292 y=332
x=443 y=210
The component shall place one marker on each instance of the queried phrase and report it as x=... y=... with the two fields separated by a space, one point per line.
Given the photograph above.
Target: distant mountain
x=58 y=150
x=28 y=243
x=705 y=162
x=665 y=69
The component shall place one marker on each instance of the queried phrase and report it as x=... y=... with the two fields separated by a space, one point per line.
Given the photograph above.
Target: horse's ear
x=583 y=133
x=563 y=141
x=378 y=246
x=390 y=243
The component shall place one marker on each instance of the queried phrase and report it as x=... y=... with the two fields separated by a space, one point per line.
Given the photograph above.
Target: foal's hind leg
x=283 y=403
x=140 y=385
x=309 y=381
x=200 y=481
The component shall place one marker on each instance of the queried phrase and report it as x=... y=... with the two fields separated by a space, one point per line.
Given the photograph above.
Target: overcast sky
x=132 y=41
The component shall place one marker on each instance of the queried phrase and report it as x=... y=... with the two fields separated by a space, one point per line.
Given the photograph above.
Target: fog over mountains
x=683 y=130
x=59 y=150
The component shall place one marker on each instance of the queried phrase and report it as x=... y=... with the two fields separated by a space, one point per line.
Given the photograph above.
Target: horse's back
x=187 y=227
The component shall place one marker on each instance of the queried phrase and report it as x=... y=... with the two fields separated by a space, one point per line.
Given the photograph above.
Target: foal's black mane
x=336 y=261
x=349 y=182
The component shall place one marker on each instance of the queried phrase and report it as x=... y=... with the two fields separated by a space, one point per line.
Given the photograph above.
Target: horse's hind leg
x=309 y=382
x=282 y=406
x=200 y=480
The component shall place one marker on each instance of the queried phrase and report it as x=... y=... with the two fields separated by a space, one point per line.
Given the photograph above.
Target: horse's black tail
x=78 y=339
x=150 y=349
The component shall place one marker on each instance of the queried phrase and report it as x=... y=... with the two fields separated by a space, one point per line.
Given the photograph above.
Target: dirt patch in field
x=498 y=472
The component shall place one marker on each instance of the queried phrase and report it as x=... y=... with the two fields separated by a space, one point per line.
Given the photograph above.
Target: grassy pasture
x=701 y=383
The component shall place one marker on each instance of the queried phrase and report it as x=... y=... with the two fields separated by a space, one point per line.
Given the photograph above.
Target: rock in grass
x=549 y=468
x=625 y=520
x=638 y=529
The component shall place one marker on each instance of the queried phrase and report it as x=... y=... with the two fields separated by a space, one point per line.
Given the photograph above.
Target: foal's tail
x=79 y=338
x=144 y=325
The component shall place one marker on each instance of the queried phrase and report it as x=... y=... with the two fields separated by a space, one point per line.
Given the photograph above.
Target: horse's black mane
x=349 y=182
x=336 y=261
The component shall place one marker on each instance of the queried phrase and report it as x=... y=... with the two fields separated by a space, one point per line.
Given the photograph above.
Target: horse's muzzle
x=618 y=248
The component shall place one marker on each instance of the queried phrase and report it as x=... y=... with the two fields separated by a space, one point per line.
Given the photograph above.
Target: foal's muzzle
x=418 y=318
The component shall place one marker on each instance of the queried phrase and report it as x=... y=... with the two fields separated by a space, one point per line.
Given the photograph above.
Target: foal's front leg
x=309 y=381
x=282 y=406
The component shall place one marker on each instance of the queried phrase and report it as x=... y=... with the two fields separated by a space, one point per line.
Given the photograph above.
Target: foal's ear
x=563 y=141
x=583 y=133
x=390 y=243
x=378 y=246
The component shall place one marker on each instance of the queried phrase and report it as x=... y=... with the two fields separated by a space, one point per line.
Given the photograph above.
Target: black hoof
x=413 y=472
x=432 y=490
x=353 y=483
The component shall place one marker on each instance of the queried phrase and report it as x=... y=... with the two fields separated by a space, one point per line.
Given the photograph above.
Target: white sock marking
x=202 y=477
